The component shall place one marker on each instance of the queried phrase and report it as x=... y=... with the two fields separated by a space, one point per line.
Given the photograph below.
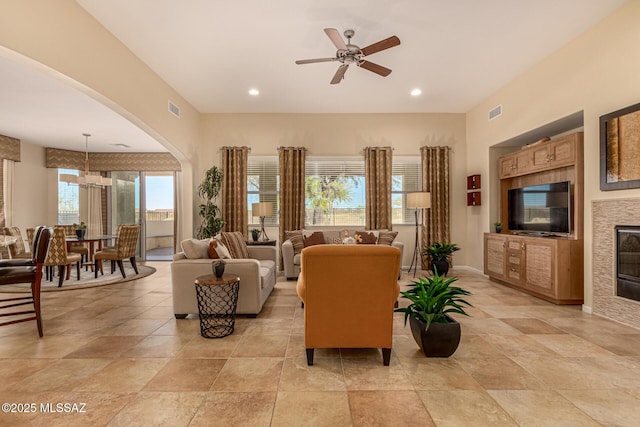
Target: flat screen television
x=542 y=209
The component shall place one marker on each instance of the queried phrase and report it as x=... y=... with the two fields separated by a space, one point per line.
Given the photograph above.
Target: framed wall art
x=620 y=149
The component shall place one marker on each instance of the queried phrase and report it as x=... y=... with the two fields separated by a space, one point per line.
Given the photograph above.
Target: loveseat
x=257 y=276
x=291 y=253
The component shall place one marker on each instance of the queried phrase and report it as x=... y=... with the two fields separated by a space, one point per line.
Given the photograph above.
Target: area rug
x=87 y=279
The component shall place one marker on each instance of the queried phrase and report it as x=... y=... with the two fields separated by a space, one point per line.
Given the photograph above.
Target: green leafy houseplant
x=209 y=189
x=439 y=255
x=432 y=298
x=441 y=251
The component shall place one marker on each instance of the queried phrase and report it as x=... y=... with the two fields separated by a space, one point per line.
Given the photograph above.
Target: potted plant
x=218 y=268
x=435 y=332
x=209 y=189
x=255 y=233
x=439 y=255
x=498 y=226
x=81 y=230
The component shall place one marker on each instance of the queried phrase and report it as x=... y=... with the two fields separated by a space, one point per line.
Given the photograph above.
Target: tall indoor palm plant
x=209 y=189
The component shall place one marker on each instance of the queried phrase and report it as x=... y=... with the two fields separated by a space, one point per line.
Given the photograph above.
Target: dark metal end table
x=217 y=303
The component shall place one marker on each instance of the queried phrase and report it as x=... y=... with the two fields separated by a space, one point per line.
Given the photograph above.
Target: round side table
x=217 y=303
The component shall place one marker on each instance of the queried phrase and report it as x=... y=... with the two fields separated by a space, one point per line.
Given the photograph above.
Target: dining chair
x=31 y=233
x=15 y=271
x=58 y=256
x=125 y=248
x=17 y=249
x=76 y=247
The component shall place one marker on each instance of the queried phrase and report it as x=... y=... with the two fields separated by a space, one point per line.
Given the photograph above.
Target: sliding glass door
x=145 y=198
x=125 y=204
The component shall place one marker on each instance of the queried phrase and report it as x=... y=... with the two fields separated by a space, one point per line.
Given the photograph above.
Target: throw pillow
x=387 y=237
x=317 y=238
x=217 y=250
x=296 y=240
x=235 y=242
x=195 y=249
x=364 y=238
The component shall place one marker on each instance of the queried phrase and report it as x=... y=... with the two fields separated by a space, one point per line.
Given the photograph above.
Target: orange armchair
x=348 y=292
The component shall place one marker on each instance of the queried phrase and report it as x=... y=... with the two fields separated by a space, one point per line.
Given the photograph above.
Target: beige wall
x=347 y=135
x=66 y=43
x=596 y=73
x=28 y=199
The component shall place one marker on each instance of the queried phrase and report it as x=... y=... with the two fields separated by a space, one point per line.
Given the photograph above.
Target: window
x=68 y=200
x=405 y=179
x=263 y=185
x=334 y=191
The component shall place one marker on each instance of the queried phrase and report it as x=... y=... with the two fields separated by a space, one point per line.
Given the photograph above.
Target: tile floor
x=118 y=351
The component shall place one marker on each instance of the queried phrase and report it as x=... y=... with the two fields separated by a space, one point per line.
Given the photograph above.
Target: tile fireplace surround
x=606 y=215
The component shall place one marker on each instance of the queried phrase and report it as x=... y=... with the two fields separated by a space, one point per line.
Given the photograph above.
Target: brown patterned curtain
x=377 y=177
x=234 y=188
x=291 y=161
x=435 y=180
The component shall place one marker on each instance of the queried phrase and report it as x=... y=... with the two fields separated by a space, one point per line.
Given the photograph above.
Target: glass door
x=159 y=215
x=125 y=204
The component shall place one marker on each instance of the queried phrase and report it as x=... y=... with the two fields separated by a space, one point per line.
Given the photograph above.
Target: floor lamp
x=417 y=201
x=262 y=209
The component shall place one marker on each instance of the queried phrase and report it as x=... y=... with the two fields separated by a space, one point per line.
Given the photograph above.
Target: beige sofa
x=291 y=260
x=257 y=279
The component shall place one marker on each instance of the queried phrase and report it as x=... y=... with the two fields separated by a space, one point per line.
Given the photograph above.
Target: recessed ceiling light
x=416 y=92
x=254 y=92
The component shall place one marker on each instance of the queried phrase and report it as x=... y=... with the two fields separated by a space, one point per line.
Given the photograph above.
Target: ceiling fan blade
x=381 y=45
x=311 y=61
x=339 y=75
x=378 y=69
x=336 y=38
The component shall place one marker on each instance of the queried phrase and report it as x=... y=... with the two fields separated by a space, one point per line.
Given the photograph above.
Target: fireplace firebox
x=628 y=261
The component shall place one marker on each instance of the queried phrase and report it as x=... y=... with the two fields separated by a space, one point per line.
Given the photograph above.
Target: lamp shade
x=262 y=209
x=419 y=200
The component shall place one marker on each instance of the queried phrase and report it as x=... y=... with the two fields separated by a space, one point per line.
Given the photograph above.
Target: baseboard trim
x=587 y=309
x=405 y=268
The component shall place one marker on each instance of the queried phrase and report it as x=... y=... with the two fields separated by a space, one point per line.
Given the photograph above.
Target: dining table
x=91 y=240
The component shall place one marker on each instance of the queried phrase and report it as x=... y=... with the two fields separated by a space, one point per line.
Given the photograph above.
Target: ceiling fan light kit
x=348 y=54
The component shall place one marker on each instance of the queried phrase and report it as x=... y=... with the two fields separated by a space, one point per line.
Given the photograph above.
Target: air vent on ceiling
x=174 y=109
x=495 y=112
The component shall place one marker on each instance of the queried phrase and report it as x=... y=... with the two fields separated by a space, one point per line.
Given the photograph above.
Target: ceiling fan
x=349 y=54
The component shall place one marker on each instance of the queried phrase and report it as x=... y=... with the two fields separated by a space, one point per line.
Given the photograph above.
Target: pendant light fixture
x=87 y=180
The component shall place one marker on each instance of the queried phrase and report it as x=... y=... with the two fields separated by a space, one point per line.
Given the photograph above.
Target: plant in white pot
x=432 y=299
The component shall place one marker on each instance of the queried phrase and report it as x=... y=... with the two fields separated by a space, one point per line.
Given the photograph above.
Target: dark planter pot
x=440 y=340
x=498 y=229
x=442 y=266
x=80 y=233
x=255 y=236
x=218 y=270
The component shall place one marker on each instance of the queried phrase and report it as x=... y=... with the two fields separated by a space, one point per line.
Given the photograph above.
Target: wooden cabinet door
x=523 y=161
x=507 y=166
x=562 y=152
x=540 y=265
x=494 y=256
x=540 y=157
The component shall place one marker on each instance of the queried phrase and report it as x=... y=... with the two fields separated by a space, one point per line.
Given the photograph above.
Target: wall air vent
x=174 y=109
x=495 y=112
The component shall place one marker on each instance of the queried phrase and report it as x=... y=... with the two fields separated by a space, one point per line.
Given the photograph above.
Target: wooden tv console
x=548 y=267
